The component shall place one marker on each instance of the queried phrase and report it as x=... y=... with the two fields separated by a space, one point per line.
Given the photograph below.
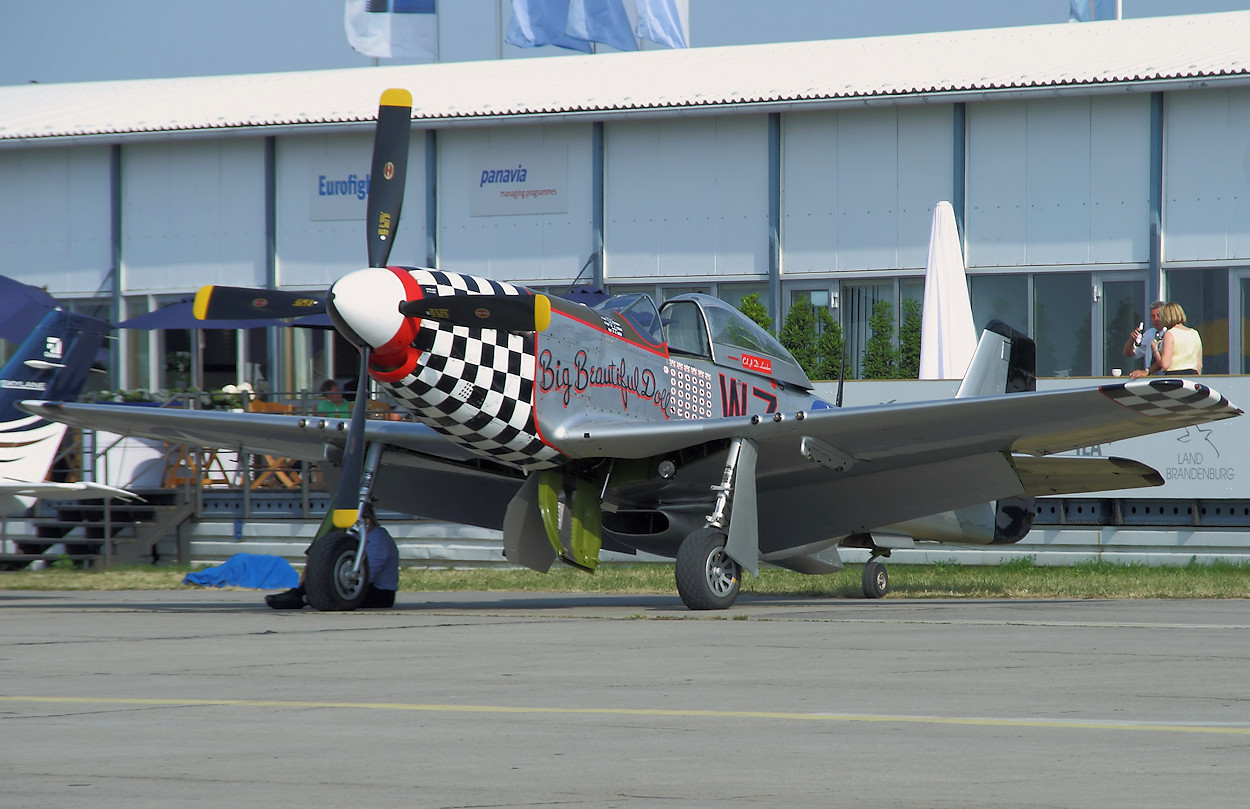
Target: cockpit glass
x=639 y=310
x=731 y=327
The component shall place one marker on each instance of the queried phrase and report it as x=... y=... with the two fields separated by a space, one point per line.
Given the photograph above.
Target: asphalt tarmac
x=164 y=699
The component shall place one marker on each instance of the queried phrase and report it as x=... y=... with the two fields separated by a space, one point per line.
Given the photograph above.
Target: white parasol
x=948 y=337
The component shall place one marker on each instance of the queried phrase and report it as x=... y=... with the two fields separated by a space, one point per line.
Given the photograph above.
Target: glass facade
x=1080 y=319
x=1204 y=295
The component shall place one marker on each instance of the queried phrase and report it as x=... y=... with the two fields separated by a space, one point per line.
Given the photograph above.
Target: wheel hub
x=345 y=577
x=722 y=572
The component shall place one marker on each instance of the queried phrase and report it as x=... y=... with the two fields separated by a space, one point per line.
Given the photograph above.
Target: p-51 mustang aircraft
x=685 y=431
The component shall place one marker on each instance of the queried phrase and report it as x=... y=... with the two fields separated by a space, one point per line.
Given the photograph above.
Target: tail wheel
x=876 y=580
x=707 y=578
x=330 y=583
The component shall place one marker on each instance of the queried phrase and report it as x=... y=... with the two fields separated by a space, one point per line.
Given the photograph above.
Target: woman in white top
x=1180 y=352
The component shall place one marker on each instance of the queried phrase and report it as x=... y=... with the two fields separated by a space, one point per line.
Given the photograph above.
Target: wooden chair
x=278 y=472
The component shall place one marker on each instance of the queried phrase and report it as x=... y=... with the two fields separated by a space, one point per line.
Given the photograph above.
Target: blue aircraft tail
x=52 y=363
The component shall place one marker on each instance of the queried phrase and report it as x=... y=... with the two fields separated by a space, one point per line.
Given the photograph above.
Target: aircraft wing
x=873 y=438
x=833 y=472
x=300 y=437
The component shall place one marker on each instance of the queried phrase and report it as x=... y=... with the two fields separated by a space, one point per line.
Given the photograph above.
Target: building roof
x=1129 y=55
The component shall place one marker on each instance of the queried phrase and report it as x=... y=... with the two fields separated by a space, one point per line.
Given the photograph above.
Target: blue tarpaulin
x=248 y=570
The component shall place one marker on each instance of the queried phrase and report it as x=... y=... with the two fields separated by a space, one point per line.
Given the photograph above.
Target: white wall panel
x=193 y=213
x=809 y=192
x=1120 y=179
x=1057 y=170
x=858 y=188
x=1207 y=175
x=996 y=184
x=55 y=218
x=926 y=176
x=313 y=251
x=525 y=247
x=1058 y=181
x=867 y=170
x=687 y=197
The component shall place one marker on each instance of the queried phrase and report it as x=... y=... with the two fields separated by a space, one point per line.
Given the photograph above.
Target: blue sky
x=93 y=40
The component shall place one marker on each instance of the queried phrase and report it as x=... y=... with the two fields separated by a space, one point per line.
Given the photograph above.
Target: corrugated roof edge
x=1130 y=55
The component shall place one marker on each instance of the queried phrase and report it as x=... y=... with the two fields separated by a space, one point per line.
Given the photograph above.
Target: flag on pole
x=542 y=22
x=393 y=29
x=1091 y=10
x=601 y=21
x=948 y=338
x=661 y=21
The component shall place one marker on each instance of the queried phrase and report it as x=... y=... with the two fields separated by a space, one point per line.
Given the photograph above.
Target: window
x=1061 y=323
x=685 y=329
x=1203 y=294
x=639 y=311
x=858 y=300
x=1000 y=297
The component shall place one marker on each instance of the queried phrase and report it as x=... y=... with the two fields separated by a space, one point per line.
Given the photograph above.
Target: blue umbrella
x=22 y=306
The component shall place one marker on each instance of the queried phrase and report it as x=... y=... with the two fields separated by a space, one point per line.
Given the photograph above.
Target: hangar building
x=1092 y=168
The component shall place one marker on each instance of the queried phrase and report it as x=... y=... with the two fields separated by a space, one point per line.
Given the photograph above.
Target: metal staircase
x=104 y=534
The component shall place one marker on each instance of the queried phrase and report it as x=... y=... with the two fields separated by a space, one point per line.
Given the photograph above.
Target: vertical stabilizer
x=1005 y=362
x=52 y=363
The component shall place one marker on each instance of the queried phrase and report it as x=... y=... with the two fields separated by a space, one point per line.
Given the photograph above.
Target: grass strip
x=1020 y=578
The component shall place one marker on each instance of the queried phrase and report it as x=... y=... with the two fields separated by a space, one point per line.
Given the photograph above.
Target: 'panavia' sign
x=507 y=181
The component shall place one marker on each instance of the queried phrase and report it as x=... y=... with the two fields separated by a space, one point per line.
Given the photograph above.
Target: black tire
x=329 y=582
x=707 y=578
x=876 y=580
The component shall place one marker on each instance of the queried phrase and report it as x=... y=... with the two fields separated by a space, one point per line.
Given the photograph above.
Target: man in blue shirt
x=383 y=558
x=1139 y=342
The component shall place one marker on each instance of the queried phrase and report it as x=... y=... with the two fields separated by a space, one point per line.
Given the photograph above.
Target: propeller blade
x=386 y=176
x=347 y=498
x=502 y=312
x=245 y=303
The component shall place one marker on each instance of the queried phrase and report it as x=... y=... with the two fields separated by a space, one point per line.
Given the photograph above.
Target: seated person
x=332 y=403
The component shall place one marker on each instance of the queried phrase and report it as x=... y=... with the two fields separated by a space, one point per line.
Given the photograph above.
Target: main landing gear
x=707 y=579
x=710 y=560
x=333 y=581
x=875 y=580
x=336 y=578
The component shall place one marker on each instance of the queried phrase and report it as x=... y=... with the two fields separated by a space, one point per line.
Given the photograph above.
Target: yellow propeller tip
x=542 y=312
x=200 y=307
x=396 y=97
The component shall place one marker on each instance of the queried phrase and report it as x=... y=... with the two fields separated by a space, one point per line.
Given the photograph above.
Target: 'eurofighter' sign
x=337 y=195
x=508 y=181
